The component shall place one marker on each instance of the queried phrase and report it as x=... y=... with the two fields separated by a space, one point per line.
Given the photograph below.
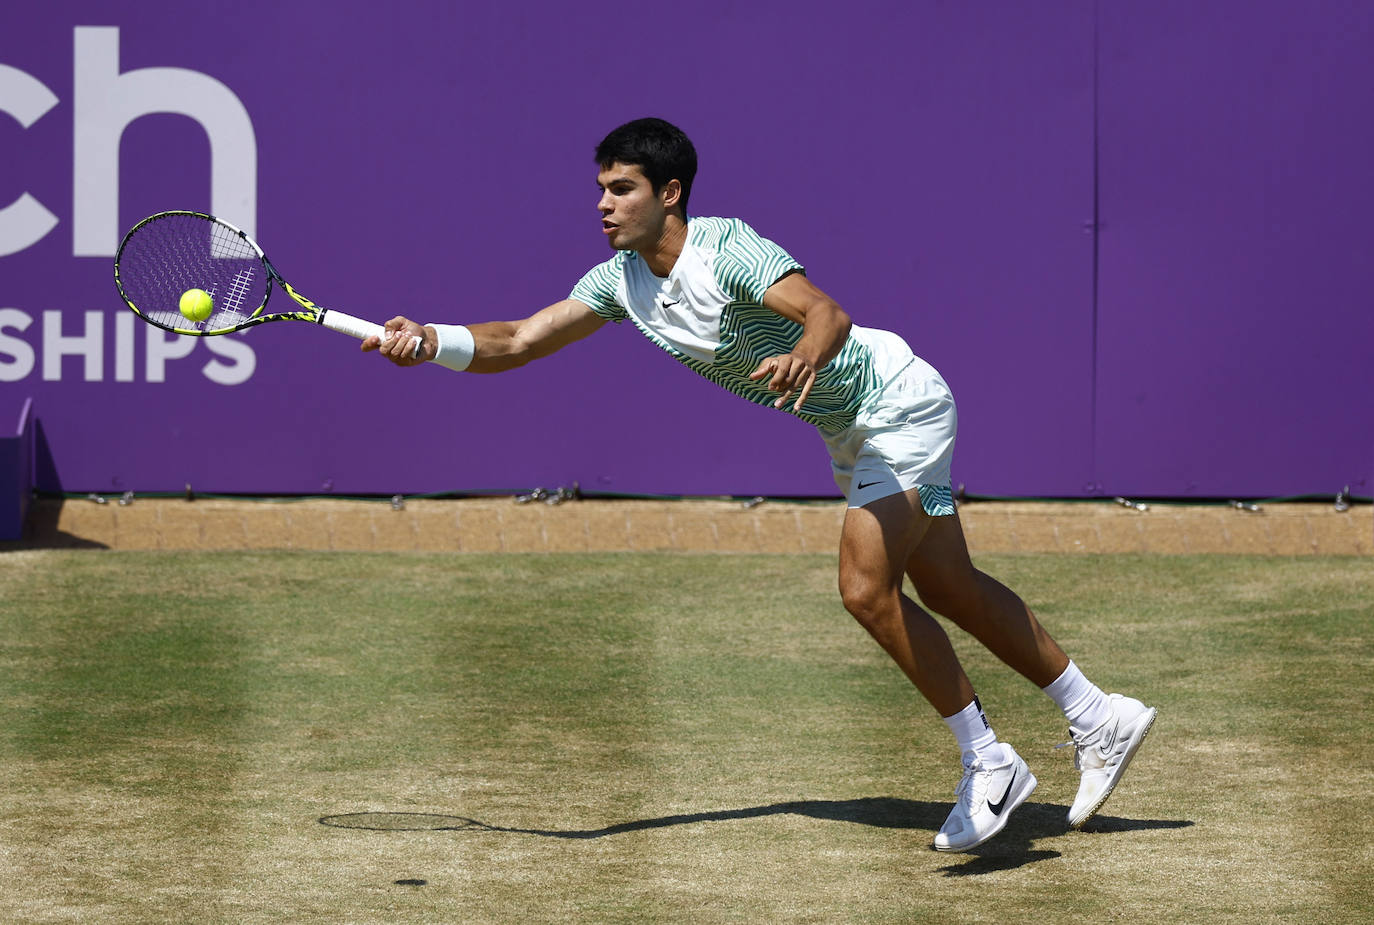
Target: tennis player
x=737 y=309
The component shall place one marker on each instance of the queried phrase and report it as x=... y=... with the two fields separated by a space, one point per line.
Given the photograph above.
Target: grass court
x=649 y=737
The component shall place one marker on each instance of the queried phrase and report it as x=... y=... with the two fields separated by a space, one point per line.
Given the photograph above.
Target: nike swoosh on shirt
x=863 y=485
x=996 y=808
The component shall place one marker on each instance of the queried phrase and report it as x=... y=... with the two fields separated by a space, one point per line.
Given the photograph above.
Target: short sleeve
x=749 y=264
x=597 y=290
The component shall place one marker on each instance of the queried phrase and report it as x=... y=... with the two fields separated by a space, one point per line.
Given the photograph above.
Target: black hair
x=660 y=149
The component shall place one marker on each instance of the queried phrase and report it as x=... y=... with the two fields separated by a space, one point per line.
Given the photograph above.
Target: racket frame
x=310 y=311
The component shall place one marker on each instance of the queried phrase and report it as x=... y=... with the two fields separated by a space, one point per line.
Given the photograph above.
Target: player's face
x=632 y=215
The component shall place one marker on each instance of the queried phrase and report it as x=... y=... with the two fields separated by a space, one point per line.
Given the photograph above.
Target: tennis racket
x=167 y=254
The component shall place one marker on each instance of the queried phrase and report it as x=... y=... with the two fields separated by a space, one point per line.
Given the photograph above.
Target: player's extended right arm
x=493 y=346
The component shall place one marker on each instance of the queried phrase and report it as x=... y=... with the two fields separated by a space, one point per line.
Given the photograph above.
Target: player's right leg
x=876 y=541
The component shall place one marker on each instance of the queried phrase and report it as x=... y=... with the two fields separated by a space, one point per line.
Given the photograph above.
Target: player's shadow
x=1010 y=849
x=1033 y=821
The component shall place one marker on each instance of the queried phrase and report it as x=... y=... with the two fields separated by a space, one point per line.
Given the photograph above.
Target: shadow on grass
x=1033 y=821
x=1010 y=849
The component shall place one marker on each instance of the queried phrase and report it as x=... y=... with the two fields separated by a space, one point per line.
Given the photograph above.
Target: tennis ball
x=196 y=304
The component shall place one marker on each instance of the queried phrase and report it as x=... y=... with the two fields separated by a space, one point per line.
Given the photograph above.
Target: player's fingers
x=784 y=376
x=802 y=379
x=766 y=367
x=809 y=381
x=396 y=346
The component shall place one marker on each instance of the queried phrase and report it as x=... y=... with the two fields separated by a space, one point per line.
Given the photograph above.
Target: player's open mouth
x=608 y=227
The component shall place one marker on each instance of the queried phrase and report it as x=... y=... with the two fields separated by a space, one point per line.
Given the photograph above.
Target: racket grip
x=359 y=328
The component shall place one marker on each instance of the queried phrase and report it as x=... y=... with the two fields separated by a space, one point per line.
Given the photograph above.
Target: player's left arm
x=825 y=328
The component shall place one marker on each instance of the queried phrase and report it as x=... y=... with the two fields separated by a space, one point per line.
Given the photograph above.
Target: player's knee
x=866 y=597
x=938 y=600
x=952 y=596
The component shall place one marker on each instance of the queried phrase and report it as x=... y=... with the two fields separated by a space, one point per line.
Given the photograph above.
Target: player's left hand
x=789 y=373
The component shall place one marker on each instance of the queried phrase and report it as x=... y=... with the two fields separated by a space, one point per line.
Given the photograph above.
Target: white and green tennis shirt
x=708 y=314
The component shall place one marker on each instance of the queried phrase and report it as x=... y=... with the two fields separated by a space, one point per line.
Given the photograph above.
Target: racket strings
x=163 y=258
x=240 y=288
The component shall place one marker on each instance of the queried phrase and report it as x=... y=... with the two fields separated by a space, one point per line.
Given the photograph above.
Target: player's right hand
x=400 y=343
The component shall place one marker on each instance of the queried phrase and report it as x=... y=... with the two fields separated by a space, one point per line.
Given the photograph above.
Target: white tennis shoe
x=1102 y=754
x=984 y=801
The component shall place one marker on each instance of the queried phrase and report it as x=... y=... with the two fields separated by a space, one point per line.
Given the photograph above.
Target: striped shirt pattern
x=708 y=314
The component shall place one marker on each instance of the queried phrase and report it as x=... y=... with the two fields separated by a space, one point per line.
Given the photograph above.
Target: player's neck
x=662 y=257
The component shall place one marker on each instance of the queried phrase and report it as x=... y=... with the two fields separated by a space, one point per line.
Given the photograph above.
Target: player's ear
x=670 y=194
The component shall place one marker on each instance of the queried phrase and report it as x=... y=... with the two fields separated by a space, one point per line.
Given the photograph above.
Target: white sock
x=974 y=734
x=1083 y=703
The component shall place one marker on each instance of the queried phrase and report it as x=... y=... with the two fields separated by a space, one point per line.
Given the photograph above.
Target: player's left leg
x=1106 y=729
x=947 y=583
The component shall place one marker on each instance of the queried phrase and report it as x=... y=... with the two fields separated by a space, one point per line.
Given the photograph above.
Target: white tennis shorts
x=903 y=437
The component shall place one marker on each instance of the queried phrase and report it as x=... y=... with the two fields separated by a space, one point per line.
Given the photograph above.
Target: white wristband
x=456 y=346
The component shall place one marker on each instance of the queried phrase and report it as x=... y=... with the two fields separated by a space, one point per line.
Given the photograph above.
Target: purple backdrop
x=1236 y=265
x=940 y=169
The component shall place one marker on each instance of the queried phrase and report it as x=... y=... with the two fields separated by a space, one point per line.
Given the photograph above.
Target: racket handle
x=359 y=328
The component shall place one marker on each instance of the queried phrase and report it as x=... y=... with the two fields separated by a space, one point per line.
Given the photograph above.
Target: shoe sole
x=1136 y=741
x=1011 y=807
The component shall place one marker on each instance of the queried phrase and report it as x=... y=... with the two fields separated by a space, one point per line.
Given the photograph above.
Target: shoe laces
x=966 y=787
x=1086 y=742
x=1077 y=752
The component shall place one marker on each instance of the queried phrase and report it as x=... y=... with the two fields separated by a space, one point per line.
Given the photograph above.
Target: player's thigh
x=940 y=568
x=876 y=542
